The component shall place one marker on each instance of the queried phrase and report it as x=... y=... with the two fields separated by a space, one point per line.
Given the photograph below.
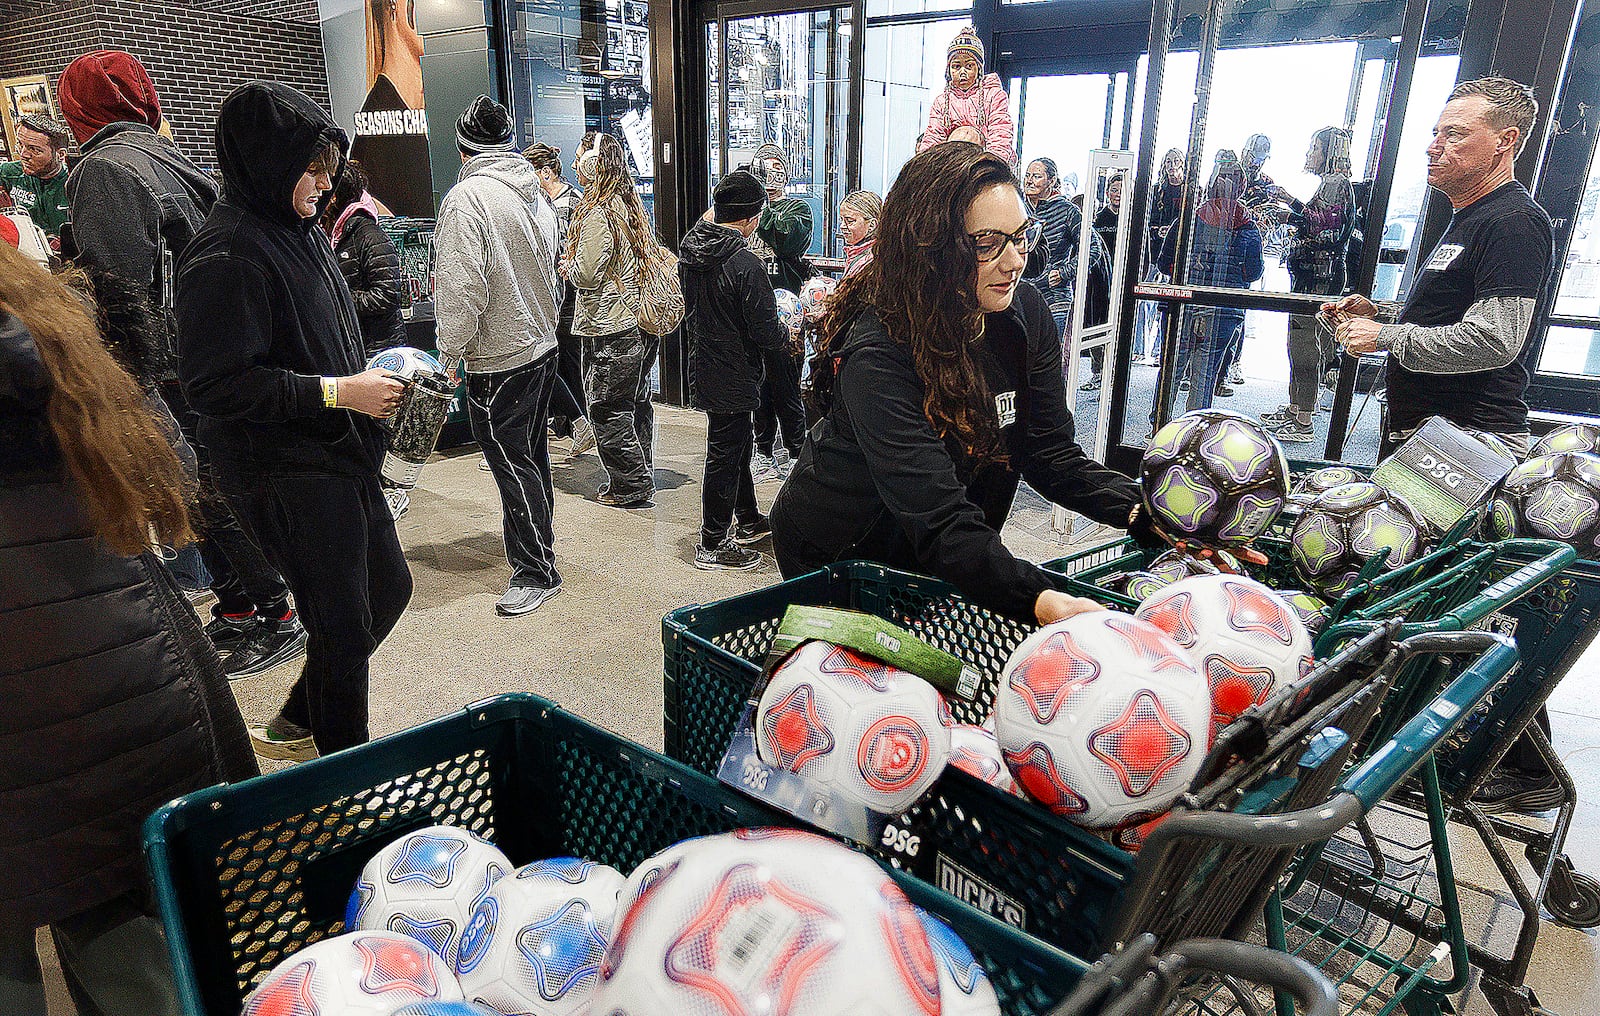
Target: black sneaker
x=728 y=557
x=229 y=633
x=272 y=644
x=610 y=500
x=1505 y=792
x=746 y=533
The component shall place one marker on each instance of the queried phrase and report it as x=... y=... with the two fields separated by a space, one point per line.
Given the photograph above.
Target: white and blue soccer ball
x=405 y=361
x=445 y=1009
x=534 y=943
x=424 y=885
x=366 y=973
x=789 y=313
x=766 y=921
x=964 y=987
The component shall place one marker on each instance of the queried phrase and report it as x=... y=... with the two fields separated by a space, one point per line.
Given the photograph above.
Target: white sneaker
x=399 y=502
x=582 y=438
x=520 y=600
x=764 y=469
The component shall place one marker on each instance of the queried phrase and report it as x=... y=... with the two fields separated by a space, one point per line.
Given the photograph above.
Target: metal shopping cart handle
x=1135 y=982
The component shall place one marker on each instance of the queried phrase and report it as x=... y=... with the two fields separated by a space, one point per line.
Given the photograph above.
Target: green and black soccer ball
x=1214 y=477
x=1344 y=528
x=1574 y=437
x=1552 y=497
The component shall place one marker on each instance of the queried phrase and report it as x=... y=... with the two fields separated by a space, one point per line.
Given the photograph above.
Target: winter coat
x=263 y=312
x=877 y=481
x=858 y=256
x=603 y=264
x=1063 y=229
x=134 y=199
x=371 y=267
x=1226 y=250
x=785 y=227
x=496 y=296
x=984 y=106
x=115 y=701
x=1316 y=257
x=731 y=318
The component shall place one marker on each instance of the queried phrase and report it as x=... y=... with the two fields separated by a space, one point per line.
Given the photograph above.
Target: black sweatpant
x=616 y=384
x=332 y=538
x=566 y=398
x=241 y=577
x=728 y=492
x=780 y=406
x=508 y=411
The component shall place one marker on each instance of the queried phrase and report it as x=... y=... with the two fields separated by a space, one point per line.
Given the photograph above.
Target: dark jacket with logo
x=730 y=317
x=136 y=205
x=114 y=699
x=876 y=481
x=263 y=311
x=371 y=267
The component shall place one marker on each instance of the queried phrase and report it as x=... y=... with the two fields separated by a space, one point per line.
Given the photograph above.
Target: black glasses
x=989 y=244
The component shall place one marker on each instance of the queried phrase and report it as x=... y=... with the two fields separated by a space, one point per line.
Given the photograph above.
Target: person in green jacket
x=37 y=182
x=781 y=240
x=785 y=225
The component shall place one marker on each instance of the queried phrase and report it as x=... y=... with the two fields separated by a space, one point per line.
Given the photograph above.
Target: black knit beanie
x=738 y=196
x=484 y=127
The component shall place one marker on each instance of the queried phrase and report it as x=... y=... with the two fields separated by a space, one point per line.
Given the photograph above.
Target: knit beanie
x=966 y=41
x=105 y=87
x=738 y=196
x=485 y=126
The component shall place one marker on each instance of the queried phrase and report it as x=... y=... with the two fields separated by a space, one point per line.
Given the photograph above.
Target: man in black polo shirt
x=1460 y=346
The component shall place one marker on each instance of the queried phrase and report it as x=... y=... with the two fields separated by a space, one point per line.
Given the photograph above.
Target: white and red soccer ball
x=1242 y=636
x=848 y=725
x=814 y=297
x=1103 y=718
x=366 y=973
x=975 y=751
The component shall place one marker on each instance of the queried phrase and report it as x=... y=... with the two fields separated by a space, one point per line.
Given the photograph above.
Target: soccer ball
x=405 y=361
x=766 y=921
x=1327 y=478
x=1102 y=718
x=1574 y=437
x=1556 y=497
x=1314 y=611
x=534 y=943
x=964 y=988
x=445 y=1009
x=974 y=750
x=1347 y=526
x=1214 y=477
x=1495 y=443
x=814 y=296
x=1241 y=635
x=425 y=885
x=849 y=725
x=367 y=973
x=788 y=310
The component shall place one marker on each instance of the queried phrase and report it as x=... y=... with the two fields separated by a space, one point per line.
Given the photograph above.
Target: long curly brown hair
x=126 y=474
x=611 y=187
x=922 y=284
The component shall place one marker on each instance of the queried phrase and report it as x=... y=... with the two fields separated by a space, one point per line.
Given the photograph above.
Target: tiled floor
x=596 y=648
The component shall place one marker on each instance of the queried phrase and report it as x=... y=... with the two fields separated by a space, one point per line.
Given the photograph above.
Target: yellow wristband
x=330 y=392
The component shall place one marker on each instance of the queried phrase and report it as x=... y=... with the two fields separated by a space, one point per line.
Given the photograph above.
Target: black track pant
x=728 y=493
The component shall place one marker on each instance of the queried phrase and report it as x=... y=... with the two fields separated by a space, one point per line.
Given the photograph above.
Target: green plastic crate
x=247 y=874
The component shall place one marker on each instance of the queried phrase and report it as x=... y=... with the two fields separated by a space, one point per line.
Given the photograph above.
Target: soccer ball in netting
x=1102 y=718
x=1344 y=528
x=366 y=973
x=964 y=988
x=1214 y=477
x=766 y=921
x=814 y=296
x=974 y=750
x=405 y=361
x=1554 y=497
x=424 y=885
x=1240 y=634
x=789 y=314
x=868 y=732
x=1327 y=478
x=1574 y=437
x=534 y=943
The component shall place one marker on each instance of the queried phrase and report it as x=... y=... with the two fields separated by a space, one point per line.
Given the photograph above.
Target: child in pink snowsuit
x=971 y=99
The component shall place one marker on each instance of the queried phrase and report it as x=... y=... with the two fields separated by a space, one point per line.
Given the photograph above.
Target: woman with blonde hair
x=604 y=246
x=115 y=700
x=858 y=223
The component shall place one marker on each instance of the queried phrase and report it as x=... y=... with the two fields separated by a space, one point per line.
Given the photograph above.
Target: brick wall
x=196 y=51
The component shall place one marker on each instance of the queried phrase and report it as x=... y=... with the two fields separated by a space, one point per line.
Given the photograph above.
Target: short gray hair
x=1511 y=104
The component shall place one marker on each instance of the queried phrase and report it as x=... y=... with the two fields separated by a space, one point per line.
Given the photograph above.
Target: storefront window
x=904 y=73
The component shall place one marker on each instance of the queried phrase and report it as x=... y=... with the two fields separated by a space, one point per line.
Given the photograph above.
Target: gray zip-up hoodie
x=496 y=295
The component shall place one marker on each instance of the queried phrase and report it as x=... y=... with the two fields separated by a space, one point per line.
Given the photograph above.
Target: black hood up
x=708 y=244
x=267 y=134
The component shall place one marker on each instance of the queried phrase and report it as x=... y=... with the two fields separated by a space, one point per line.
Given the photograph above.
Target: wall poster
x=391 y=128
x=20 y=97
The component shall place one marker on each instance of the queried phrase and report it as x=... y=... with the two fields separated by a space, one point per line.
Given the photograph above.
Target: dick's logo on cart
x=974 y=891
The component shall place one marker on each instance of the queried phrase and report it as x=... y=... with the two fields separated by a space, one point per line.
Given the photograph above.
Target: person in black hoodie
x=938 y=387
x=269 y=352
x=731 y=319
x=369 y=261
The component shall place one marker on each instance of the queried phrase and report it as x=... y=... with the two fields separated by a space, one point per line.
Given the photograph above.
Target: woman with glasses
x=937 y=387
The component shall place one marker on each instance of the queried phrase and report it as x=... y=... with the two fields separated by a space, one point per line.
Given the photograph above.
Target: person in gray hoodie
x=497 y=300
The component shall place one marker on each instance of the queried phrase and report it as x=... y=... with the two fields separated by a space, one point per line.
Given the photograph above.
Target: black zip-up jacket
x=875 y=480
x=133 y=197
x=263 y=312
x=371 y=267
x=730 y=316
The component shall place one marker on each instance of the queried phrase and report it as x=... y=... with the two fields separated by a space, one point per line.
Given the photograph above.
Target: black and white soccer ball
x=1553 y=497
x=1214 y=477
x=1344 y=528
x=1574 y=437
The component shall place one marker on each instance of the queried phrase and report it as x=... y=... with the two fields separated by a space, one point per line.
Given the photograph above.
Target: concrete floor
x=596 y=648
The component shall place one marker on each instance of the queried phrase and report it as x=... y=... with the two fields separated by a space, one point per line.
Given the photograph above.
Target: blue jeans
x=1204 y=342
